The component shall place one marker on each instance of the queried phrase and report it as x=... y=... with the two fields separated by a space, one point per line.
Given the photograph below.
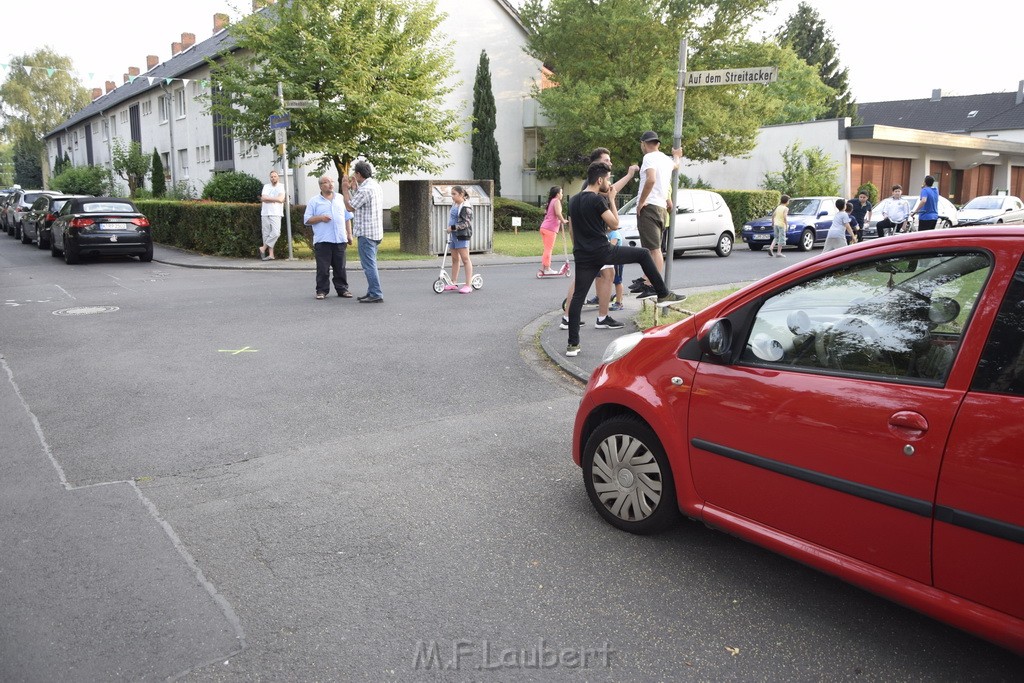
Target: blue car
x=809 y=221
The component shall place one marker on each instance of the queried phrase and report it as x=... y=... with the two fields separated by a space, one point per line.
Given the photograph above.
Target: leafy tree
x=805 y=173
x=233 y=186
x=377 y=68
x=486 y=161
x=159 y=182
x=6 y=164
x=33 y=104
x=871 y=190
x=92 y=180
x=131 y=164
x=61 y=163
x=615 y=66
x=809 y=36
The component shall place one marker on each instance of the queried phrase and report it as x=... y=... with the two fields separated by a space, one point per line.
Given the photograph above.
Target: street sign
x=280 y=135
x=300 y=104
x=280 y=121
x=752 y=75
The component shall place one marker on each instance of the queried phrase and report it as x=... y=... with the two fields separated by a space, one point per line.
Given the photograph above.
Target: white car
x=947 y=215
x=992 y=209
x=703 y=221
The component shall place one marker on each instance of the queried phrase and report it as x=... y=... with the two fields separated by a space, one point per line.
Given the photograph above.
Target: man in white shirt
x=895 y=211
x=271 y=214
x=655 y=190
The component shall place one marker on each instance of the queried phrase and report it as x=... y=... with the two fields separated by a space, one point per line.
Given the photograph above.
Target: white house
x=972 y=145
x=162 y=108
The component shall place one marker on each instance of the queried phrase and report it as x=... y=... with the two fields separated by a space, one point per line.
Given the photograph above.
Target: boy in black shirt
x=591 y=218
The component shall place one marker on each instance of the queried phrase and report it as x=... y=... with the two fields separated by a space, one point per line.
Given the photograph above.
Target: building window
x=179 y=99
x=147 y=107
x=75 y=138
x=183 y=162
x=106 y=130
x=113 y=126
x=162 y=108
x=248 y=149
x=124 y=116
x=203 y=154
x=165 y=157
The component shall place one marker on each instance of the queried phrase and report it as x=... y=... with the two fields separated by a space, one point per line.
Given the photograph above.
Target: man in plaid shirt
x=364 y=198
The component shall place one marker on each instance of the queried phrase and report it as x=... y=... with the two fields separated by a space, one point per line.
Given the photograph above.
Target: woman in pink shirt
x=553 y=220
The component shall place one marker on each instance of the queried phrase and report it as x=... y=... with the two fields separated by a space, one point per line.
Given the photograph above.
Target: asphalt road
x=220 y=478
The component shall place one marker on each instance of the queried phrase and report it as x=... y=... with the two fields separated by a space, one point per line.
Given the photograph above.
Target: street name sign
x=300 y=104
x=751 y=75
x=280 y=121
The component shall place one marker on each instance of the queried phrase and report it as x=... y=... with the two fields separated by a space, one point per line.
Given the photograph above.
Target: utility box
x=424 y=206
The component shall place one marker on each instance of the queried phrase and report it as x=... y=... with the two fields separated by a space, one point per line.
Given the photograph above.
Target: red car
x=859 y=412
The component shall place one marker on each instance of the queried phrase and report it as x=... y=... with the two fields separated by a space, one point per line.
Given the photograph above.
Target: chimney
x=1020 y=92
x=151 y=61
x=97 y=93
x=187 y=40
x=220 y=22
x=936 y=95
x=110 y=85
x=175 y=48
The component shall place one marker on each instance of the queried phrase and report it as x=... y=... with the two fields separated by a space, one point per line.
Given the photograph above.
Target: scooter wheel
x=540 y=274
x=568 y=272
x=438 y=286
x=477 y=282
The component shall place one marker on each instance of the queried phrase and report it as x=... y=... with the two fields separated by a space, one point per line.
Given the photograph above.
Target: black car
x=35 y=226
x=100 y=226
x=5 y=195
x=18 y=205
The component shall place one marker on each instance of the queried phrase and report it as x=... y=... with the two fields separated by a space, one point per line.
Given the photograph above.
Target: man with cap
x=655 y=198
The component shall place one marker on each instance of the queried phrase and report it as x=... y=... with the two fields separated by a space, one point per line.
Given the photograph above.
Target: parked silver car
x=703 y=221
x=992 y=209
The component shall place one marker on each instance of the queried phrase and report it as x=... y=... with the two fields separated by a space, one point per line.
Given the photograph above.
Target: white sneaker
x=550 y=271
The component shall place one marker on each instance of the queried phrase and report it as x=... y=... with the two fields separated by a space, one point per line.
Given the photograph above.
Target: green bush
x=92 y=180
x=233 y=186
x=871 y=190
x=218 y=228
x=506 y=209
x=746 y=205
x=396 y=223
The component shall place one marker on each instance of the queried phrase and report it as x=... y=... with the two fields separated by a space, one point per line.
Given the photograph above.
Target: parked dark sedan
x=35 y=226
x=18 y=205
x=100 y=226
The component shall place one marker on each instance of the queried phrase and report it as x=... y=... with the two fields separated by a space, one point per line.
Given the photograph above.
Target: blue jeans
x=368 y=259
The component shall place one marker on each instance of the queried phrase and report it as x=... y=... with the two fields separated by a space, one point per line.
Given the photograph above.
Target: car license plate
x=114 y=226
x=762 y=238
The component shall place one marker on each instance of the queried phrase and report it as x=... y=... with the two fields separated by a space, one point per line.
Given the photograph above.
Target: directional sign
x=300 y=104
x=755 y=74
x=282 y=121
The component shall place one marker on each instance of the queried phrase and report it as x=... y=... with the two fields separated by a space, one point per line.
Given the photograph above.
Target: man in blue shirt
x=325 y=213
x=927 y=208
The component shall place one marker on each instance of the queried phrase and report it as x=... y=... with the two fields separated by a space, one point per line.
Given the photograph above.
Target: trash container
x=425 y=205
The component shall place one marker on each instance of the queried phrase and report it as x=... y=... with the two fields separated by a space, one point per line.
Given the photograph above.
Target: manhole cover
x=85 y=310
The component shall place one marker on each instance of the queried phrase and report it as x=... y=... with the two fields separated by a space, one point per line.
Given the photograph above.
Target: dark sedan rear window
x=107 y=207
x=30 y=198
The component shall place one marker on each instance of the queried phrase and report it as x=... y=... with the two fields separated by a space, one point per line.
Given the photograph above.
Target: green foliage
x=805 y=173
x=697 y=183
x=394 y=212
x=746 y=205
x=182 y=191
x=92 y=180
x=60 y=164
x=28 y=167
x=131 y=164
x=506 y=209
x=233 y=186
x=616 y=64
x=809 y=36
x=36 y=103
x=378 y=69
x=486 y=160
x=159 y=182
x=6 y=164
x=872 y=191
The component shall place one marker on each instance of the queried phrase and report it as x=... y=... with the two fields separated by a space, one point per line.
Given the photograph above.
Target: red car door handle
x=908 y=419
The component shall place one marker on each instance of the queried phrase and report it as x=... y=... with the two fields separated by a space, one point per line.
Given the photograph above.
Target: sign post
x=279 y=124
x=748 y=76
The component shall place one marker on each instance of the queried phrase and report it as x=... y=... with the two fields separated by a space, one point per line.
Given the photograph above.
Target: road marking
x=235 y=352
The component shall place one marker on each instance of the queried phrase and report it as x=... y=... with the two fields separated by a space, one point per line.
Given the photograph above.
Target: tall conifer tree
x=486 y=162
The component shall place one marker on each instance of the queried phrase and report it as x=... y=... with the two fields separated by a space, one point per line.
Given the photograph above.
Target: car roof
x=79 y=200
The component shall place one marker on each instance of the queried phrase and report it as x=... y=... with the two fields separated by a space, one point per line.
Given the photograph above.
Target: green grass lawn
x=694 y=303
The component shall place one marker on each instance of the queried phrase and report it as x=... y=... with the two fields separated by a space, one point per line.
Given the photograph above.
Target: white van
x=703 y=221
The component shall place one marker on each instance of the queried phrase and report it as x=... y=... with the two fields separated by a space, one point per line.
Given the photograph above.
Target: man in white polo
x=655 y=179
x=271 y=214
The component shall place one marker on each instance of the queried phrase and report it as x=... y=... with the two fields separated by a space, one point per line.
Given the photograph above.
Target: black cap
x=650 y=136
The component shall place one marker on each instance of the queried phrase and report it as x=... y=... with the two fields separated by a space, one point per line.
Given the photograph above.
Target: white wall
x=747 y=173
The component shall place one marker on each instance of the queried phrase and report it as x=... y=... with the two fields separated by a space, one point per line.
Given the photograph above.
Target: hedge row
x=746 y=205
x=219 y=228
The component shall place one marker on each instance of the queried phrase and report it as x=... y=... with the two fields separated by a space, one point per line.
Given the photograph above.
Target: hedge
x=218 y=228
x=506 y=209
x=746 y=205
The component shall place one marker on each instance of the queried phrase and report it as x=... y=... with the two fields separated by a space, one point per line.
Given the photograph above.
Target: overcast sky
x=892 y=52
